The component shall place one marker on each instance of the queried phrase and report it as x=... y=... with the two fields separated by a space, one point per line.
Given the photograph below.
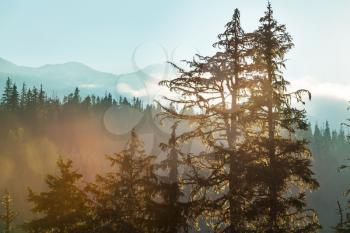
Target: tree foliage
x=246 y=122
x=285 y=161
x=123 y=196
x=64 y=207
x=9 y=215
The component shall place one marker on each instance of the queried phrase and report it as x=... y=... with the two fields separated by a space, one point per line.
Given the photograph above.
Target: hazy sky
x=104 y=34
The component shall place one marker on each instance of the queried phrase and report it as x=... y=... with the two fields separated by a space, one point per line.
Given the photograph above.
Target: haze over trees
x=257 y=166
x=246 y=121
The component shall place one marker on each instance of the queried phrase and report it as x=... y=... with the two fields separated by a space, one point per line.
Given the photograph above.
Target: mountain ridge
x=64 y=77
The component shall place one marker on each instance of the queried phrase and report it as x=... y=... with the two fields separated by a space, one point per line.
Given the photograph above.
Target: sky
x=122 y=36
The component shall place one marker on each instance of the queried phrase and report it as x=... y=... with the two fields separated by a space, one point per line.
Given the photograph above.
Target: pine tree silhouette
x=123 y=196
x=9 y=215
x=64 y=208
x=218 y=86
x=172 y=213
x=284 y=160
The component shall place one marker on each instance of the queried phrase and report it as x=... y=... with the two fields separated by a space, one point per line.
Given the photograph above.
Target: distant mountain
x=61 y=79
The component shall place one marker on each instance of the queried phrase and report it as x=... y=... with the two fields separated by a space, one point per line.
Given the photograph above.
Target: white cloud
x=90 y=85
x=328 y=89
x=126 y=89
x=151 y=90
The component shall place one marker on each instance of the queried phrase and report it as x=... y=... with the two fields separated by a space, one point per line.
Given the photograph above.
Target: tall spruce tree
x=14 y=98
x=285 y=162
x=6 y=96
x=216 y=86
x=22 y=99
x=327 y=135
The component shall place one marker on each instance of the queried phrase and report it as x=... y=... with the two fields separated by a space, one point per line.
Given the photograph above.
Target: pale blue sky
x=103 y=34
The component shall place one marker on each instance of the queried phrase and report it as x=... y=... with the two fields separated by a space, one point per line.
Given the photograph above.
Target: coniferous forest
x=231 y=150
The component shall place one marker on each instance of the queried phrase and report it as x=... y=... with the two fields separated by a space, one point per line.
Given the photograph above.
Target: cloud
x=126 y=89
x=147 y=88
x=317 y=88
x=90 y=85
x=329 y=100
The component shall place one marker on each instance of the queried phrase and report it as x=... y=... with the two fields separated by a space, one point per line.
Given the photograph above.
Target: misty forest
x=230 y=150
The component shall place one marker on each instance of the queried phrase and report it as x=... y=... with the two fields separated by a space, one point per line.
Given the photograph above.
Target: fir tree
x=41 y=96
x=318 y=139
x=172 y=213
x=6 y=96
x=14 y=98
x=76 y=96
x=9 y=215
x=217 y=86
x=64 y=208
x=23 y=96
x=285 y=162
x=123 y=196
x=327 y=133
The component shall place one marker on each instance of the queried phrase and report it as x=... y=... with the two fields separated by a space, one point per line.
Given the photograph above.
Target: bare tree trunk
x=272 y=156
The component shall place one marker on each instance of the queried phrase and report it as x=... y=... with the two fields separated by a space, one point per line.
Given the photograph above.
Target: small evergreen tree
x=23 y=96
x=123 y=196
x=64 y=208
x=8 y=216
x=6 y=96
x=172 y=210
x=14 y=98
x=327 y=133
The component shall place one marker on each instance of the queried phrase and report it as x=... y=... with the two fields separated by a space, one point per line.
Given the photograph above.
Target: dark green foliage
x=64 y=207
x=33 y=108
x=284 y=161
x=343 y=225
x=172 y=209
x=217 y=86
x=254 y=171
x=329 y=154
x=123 y=196
x=31 y=99
x=327 y=132
x=6 y=96
x=250 y=173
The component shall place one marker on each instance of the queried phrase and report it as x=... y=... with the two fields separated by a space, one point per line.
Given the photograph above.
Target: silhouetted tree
x=23 y=96
x=9 y=215
x=123 y=196
x=64 y=208
x=172 y=210
x=285 y=162
x=14 y=98
x=6 y=96
x=217 y=86
x=327 y=132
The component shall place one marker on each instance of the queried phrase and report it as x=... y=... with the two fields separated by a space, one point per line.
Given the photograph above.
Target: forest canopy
x=231 y=151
